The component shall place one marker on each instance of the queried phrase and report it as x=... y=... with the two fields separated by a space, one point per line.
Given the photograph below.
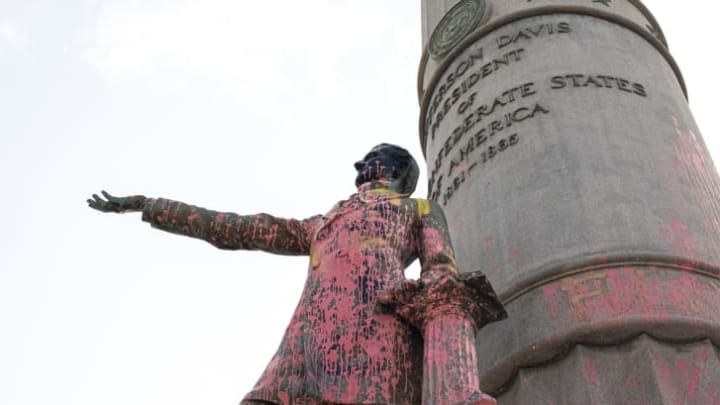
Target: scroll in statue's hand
x=131 y=203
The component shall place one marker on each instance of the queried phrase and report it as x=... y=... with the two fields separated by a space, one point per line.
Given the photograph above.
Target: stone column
x=559 y=142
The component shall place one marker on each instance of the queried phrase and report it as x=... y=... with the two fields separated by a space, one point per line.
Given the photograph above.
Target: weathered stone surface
x=559 y=142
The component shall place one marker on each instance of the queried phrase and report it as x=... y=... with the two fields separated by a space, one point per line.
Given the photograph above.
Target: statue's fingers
x=98 y=205
x=101 y=202
x=108 y=196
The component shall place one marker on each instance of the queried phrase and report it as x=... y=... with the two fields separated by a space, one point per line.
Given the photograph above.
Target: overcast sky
x=228 y=105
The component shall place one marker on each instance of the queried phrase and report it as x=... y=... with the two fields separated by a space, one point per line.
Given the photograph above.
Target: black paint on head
x=391 y=163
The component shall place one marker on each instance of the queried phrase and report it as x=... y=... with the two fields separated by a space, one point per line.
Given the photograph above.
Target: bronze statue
x=341 y=346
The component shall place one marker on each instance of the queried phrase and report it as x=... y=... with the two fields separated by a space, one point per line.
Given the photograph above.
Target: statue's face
x=388 y=162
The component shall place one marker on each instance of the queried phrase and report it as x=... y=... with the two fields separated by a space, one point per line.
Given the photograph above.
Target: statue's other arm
x=435 y=250
x=232 y=231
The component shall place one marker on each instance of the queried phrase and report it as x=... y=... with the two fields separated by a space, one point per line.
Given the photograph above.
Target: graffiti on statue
x=356 y=336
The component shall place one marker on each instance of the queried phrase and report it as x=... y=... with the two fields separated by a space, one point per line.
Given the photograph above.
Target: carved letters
x=532 y=32
x=484 y=127
x=598 y=82
x=440 y=106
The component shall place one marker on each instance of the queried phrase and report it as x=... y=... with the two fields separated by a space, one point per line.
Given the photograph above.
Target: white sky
x=234 y=106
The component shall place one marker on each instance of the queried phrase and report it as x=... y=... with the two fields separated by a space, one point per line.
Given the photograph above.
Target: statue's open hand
x=131 y=203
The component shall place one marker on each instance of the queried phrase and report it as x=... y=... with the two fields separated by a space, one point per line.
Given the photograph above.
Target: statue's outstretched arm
x=224 y=230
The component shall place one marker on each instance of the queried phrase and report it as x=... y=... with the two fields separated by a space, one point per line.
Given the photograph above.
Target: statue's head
x=388 y=163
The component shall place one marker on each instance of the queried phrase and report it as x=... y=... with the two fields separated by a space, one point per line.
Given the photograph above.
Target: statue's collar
x=377 y=187
x=375 y=192
x=368 y=193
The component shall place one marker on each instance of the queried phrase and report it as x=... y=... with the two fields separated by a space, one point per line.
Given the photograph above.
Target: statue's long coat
x=338 y=348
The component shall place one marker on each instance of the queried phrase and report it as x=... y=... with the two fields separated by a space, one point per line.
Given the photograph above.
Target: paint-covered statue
x=342 y=346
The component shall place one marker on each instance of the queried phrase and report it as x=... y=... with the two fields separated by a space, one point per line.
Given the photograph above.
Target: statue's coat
x=339 y=347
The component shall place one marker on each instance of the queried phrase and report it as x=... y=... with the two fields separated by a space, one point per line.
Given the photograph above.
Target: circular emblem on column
x=456 y=25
